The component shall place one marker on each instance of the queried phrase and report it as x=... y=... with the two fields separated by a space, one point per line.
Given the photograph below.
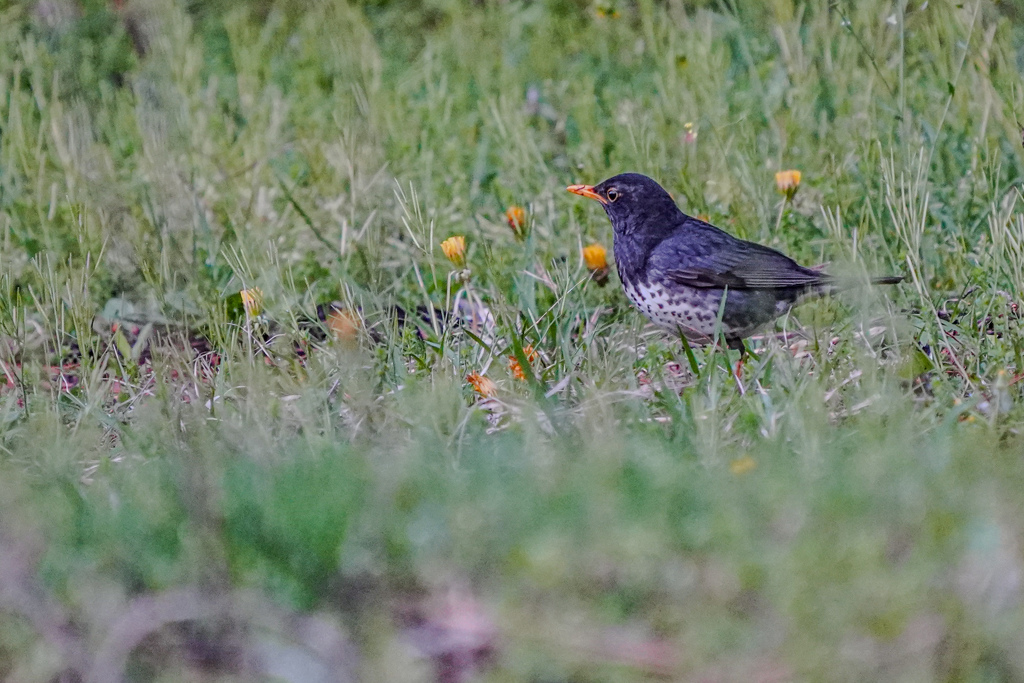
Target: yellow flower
x=252 y=301
x=483 y=385
x=606 y=11
x=516 y=217
x=596 y=259
x=455 y=249
x=787 y=182
x=516 y=368
x=742 y=465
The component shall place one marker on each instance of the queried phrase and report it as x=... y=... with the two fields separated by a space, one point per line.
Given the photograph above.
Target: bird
x=677 y=269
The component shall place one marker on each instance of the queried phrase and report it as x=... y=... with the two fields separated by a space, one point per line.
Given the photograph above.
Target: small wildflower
x=454 y=249
x=703 y=217
x=596 y=259
x=483 y=385
x=252 y=301
x=343 y=324
x=517 y=369
x=742 y=465
x=606 y=11
x=787 y=182
x=516 y=217
x=689 y=133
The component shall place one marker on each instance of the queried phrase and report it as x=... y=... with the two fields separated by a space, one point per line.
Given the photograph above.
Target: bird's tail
x=829 y=281
x=828 y=285
x=888 y=280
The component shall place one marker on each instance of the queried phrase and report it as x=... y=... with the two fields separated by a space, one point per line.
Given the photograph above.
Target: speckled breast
x=688 y=310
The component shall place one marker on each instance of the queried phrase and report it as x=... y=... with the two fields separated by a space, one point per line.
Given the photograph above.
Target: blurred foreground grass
x=304 y=486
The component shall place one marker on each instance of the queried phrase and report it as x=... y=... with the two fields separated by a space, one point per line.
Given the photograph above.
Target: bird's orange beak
x=586 y=191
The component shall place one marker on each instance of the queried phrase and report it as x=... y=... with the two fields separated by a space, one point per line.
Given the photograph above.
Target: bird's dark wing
x=700 y=255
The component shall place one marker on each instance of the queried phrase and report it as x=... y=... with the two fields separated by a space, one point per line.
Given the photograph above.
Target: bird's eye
x=612 y=194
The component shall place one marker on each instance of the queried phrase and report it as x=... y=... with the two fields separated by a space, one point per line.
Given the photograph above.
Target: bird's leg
x=737 y=344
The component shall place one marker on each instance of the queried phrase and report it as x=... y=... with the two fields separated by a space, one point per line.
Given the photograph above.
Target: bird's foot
x=738 y=368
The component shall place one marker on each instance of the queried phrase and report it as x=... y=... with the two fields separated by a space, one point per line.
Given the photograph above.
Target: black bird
x=676 y=268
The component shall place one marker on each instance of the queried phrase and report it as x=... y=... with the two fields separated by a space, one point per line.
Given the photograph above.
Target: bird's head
x=631 y=200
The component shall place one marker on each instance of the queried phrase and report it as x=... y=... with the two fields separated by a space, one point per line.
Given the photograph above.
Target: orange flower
x=483 y=385
x=516 y=368
x=786 y=182
x=343 y=324
x=596 y=259
x=516 y=217
x=454 y=249
x=252 y=301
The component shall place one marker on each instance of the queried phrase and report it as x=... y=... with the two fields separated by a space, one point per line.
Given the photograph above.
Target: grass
x=192 y=490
